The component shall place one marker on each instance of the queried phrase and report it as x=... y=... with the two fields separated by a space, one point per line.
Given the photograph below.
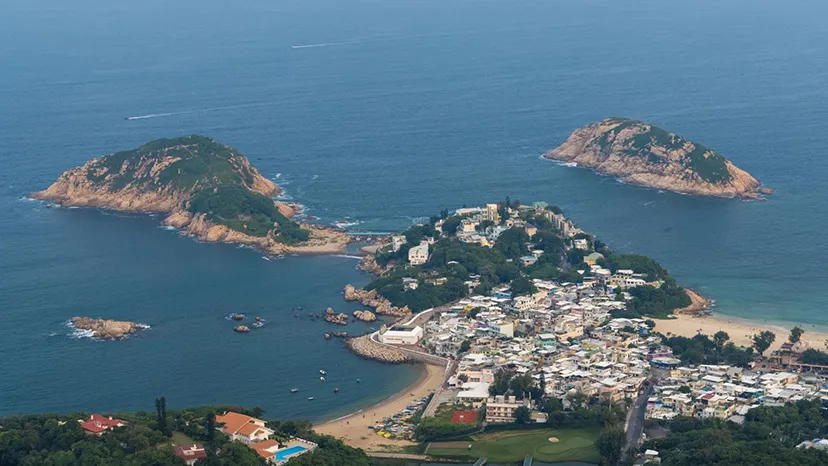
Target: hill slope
x=207 y=188
x=639 y=153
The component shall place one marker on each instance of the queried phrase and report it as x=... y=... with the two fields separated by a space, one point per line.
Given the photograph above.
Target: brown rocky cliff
x=606 y=146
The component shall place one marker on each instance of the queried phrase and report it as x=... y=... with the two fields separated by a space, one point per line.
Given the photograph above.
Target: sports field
x=509 y=446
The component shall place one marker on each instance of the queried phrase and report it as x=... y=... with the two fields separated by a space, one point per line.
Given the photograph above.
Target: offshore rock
x=105 y=328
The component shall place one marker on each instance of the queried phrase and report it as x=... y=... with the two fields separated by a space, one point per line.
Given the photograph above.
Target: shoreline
x=740 y=330
x=359 y=436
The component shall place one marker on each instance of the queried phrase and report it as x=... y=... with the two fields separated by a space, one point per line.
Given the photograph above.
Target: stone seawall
x=367 y=348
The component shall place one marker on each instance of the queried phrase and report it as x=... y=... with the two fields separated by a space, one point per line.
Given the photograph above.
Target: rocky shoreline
x=365 y=347
x=106 y=329
x=642 y=154
x=381 y=305
x=699 y=305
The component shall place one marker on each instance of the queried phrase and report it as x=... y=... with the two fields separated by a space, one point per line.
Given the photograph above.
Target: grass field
x=178 y=438
x=510 y=446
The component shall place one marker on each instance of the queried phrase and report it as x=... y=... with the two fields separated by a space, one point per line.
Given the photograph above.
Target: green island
x=208 y=189
x=643 y=154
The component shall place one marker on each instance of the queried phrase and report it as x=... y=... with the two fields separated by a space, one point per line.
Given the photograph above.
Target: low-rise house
x=418 y=255
x=97 y=424
x=243 y=428
x=401 y=336
x=190 y=453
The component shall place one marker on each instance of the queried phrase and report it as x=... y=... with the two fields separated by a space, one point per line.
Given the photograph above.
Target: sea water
x=411 y=107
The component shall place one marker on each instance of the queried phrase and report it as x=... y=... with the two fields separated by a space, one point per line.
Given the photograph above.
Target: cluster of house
x=562 y=336
x=246 y=429
x=725 y=392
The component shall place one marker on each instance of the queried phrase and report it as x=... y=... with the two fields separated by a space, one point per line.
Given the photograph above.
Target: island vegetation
x=644 y=154
x=209 y=190
x=769 y=435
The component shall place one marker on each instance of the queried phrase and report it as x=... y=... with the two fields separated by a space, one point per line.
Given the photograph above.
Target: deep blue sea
x=398 y=109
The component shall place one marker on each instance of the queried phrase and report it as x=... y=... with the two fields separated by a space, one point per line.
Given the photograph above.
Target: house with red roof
x=97 y=424
x=246 y=429
x=190 y=453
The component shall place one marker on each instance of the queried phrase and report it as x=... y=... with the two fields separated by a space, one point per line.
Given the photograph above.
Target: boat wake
x=348 y=256
x=201 y=110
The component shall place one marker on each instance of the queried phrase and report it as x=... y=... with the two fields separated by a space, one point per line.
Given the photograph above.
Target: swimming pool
x=282 y=455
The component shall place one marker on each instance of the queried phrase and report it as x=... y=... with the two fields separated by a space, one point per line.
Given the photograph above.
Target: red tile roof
x=97 y=423
x=190 y=452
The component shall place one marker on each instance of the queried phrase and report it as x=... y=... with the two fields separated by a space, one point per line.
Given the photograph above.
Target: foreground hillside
x=643 y=154
x=208 y=189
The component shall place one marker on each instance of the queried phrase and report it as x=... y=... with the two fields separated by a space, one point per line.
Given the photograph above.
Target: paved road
x=635 y=422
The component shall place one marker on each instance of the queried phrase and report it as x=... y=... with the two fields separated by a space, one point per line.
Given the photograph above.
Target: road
x=635 y=421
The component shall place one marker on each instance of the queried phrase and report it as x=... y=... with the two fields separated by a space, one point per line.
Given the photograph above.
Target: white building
x=396 y=242
x=418 y=255
x=501 y=410
x=580 y=243
x=398 y=336
x=505 y=328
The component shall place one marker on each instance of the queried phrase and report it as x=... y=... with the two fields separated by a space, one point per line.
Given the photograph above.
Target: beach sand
x=353 y=428
x=740 y=331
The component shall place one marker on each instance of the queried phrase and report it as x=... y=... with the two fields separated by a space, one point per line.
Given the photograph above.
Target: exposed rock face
x=334 y=318
x=365 y=316
x=369 y=264
x=698 y=304
x=140 y=180
x=373 y=299
x=181 y=177
x=365 y=347
x=642 y=154
x=106 y=329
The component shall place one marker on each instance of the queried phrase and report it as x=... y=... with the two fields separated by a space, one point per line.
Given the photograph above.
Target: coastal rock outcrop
x=369 y=349
x=365 y=316
x=208 y=190
x=642 y=154
x=334 y=318
x=699 y=305
x=373 y=299
x=106 y=329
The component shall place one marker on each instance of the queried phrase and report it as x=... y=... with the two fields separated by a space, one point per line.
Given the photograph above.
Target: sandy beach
x=740 y=331
x=353 y=430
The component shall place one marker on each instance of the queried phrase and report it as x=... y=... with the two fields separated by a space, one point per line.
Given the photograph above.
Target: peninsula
x=639 y=153
x=208 y=190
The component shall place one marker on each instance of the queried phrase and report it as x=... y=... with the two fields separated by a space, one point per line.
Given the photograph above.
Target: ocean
x=378 y=113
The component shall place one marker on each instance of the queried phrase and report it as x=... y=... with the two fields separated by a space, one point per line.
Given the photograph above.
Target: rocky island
x=208 y=190
x=642 y=154
x=106 y=329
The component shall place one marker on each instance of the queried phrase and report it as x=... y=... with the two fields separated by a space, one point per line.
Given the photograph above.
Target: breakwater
x=367 y=348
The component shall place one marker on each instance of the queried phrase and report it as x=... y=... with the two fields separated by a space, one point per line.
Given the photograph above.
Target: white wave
x=202 y=110
x=311 y=46
x=348 y=256
x=277 y=176
x=315 y=177
x=168 y=227
x=152 y=115
x=570 y=164
x=266 y=258
x=346 y=223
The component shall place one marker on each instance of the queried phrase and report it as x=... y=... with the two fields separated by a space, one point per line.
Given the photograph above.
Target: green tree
x=465 y=346
x=523 y=415
x=796 y=334
x=763 y=340
x=720 y=338
x=609 y=443
x=522 y=286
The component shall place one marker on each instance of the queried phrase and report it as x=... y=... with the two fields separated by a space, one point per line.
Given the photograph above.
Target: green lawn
x=178 y=438
x=510 y=446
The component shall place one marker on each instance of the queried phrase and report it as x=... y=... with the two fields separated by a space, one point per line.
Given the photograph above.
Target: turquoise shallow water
x=409 y=108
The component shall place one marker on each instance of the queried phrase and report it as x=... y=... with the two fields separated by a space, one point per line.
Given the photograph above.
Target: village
x=509 y=351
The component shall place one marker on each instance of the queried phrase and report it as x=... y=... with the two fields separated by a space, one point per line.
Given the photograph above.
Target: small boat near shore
x=294 y=390
x=322 y=378
x=336 y=390
x=310 y=398
x=323 y=372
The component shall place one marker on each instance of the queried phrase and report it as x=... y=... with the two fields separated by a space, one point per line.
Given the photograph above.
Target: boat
x=323 y=372
x=294 y=390
x=322 y=378
x=336 y=390
x=310 y=398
